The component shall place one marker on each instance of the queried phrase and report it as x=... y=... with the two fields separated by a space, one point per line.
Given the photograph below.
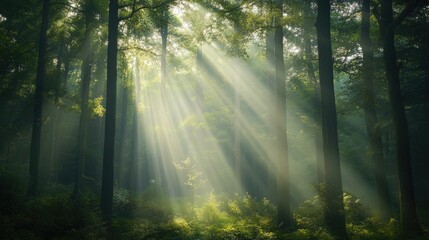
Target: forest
x=214 y=119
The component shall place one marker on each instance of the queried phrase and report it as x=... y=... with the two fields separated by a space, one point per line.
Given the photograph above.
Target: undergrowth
x=152 y=215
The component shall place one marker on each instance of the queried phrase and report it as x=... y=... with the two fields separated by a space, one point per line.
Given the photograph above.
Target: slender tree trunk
x=318 y=140
x=334 y=209
x=271 y=180
x=237 y=137
x=132 y=166
x=238 y=171
x=284 y=218
x=409 y=222
x=56 y=113
x=163 y=152
x=135 y=153
x=106 y=200
x=122 y=136
x=198 y=87
x=84 y=115
x=164 y=36
x=38 y=103
x=375 y=143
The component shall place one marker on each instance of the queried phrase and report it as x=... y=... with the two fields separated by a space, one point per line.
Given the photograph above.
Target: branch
x=376 y=13
x=227 y=10
x=136 y=9
x=69 y=6
x=77 y=9
x=139 y=49
x=408 y=10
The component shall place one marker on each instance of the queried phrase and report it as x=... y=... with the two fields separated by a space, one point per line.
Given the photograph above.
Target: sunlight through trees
x=208 y=119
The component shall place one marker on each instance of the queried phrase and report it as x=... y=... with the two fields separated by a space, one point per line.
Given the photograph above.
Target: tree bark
x=409 y=222
x=318 y=141
x=198 y=85
x=120 y=156
x=106 y=200
x=84 y=115
x=284 y=218
x=334 y=209
x=164 y=35
x=238 y=171
x=135 y=153
x=371 y=120
x=237 y=137
x=271 y=180
x=38 y=104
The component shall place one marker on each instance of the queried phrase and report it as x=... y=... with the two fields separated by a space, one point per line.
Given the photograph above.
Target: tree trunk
x=237 y=126
x=318 y=141
x=84 y=115
x=164 y=35
x=375 y=143
x=271 y=180
x=106 y=200
x=198 y=85
x=56 y=113
x=120 y=156
x=334 y=209
x=135 y=153
x=284 y=218
x=132 y=166
x=38 y=103
x=237 y=137
x=408 y=215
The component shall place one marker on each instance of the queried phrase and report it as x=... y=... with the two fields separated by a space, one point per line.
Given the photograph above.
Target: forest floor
x=152 y=215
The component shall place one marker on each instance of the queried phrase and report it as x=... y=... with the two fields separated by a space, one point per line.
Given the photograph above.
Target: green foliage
x=194 y=176
x=360 y=225
x=56 y=215
x=310 y=214
x=53 y=215
x=152 y=215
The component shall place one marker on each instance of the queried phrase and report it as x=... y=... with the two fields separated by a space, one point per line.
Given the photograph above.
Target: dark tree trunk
x=375 y=143
x=334 y=209
x=84 y=115
x=38 y=103
x=284 y=218
x=318 y=140
x=120 y=156
x=56 y=113
x=106 y=200
x=409 y=222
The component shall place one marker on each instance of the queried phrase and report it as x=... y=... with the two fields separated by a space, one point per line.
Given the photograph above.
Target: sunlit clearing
x=210 y=127
x=186 y=133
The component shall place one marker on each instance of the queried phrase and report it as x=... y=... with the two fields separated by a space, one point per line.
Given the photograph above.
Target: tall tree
x=409 y=222
x=308 y=25
x=38 y=104
x=237 y=113
x=164 y=35
x=271 y=83
x=334 y=209
x=375 y=144
x=284 y=218
x=85 y=83
x=106 y=200
x=135 y=150
x=122 y=134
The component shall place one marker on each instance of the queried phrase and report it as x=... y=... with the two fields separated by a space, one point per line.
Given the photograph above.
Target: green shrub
x=57 y=216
